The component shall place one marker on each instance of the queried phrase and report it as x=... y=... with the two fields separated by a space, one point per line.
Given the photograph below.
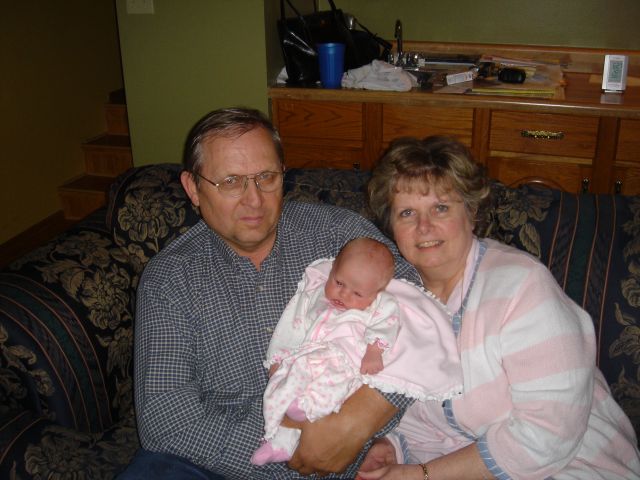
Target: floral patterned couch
x=67 y=308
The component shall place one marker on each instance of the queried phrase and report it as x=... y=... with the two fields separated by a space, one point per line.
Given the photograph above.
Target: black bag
x=300 y=34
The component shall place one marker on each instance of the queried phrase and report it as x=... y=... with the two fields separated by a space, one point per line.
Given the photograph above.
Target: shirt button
x=260 y=288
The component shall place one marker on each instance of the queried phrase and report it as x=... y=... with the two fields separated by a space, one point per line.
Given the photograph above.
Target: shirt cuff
x=489 y=461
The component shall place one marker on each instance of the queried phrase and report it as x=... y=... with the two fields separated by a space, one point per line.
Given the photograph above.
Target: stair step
x=117 y=120
x=107 y=155
x=82 y=195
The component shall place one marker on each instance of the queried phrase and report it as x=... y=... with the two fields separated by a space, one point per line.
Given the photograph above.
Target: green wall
x=58 y=63
x=188 y=58
x=193 y=56
x=575 y=23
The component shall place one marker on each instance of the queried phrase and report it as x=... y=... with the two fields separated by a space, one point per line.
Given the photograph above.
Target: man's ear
x=189 y=184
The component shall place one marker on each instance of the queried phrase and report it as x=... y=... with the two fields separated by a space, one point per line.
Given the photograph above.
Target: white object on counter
x=379 y=75
x=460 y=77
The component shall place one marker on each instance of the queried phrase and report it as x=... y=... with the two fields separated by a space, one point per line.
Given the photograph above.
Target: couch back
x=591 y=244
x=83 y=282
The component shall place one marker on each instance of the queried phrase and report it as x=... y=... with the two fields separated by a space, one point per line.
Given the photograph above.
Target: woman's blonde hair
x=439 y=162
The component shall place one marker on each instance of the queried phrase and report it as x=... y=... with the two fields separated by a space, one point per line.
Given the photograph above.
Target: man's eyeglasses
x=235 y=185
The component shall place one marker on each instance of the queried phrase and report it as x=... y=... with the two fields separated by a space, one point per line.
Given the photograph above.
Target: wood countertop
x=582 y=97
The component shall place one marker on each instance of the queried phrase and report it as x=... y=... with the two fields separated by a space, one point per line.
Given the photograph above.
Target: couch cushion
x=147 y=209
x=32 y=446
x=344 y=188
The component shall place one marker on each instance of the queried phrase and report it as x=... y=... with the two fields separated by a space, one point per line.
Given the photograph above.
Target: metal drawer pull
x=618 y=186
x=585 y=185
x=542 y=134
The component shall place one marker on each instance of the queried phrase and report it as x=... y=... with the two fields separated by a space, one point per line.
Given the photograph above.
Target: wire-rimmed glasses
x=235 y=185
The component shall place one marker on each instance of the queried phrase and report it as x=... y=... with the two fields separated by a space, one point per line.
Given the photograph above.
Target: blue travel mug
x=331 y=58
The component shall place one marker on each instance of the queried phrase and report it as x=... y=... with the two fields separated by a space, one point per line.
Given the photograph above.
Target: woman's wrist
x=425 y=471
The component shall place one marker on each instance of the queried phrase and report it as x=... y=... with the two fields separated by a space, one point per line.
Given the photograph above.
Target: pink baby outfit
x=319 y=349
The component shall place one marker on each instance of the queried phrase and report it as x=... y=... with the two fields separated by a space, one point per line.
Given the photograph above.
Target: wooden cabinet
x=414 y=121
x=584 y=142
x=557 y=150
x=626 y=176
x=313 y=132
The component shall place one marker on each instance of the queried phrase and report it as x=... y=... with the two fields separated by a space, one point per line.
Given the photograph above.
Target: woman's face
x=432 y=229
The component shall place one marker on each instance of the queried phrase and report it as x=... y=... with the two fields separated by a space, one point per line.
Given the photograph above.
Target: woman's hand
x=379 y=455
x=394 y=472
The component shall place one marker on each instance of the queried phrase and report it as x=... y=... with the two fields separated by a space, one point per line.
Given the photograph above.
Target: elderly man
x=208 y=303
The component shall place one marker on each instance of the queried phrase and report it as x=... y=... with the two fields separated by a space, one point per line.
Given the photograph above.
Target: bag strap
x=308 y=41
x=295 y=10
x=336 y=15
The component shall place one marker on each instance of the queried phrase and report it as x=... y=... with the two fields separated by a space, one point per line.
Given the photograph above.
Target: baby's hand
x=372 y=360
x=273 y=368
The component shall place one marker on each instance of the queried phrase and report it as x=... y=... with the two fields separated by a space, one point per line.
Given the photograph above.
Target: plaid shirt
x=203 y=323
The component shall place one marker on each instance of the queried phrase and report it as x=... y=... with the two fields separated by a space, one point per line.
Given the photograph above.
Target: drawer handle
x=542 y=134
x=618 y=186
x=585 y=185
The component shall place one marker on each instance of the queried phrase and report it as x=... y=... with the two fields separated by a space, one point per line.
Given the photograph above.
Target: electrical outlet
x=140 y=7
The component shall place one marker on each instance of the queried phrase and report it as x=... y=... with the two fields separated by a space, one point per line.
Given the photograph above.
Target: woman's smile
x=430 y=243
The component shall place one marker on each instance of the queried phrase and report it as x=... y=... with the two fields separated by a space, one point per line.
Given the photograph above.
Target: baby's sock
x=294 y=412
x=267 y=454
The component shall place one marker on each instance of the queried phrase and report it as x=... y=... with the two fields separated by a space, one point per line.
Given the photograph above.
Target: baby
x=331 y=332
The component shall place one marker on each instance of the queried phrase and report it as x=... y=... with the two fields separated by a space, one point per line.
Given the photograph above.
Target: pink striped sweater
x=534 y=400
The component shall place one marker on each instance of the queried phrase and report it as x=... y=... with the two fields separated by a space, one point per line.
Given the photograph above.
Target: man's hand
x=331 y=444
x=372 y=360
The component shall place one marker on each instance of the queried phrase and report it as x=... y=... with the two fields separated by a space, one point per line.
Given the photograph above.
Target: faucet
x=398 y=37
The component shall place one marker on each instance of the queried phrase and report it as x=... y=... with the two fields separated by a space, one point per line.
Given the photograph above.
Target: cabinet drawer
x=317 y=156
x=340 y=121
x=570 y=177
x=544 y=134
x=629 y=141
x=410 y=121
x=626 y=180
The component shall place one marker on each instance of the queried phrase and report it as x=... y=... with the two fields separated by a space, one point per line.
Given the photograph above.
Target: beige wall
x=58 y=63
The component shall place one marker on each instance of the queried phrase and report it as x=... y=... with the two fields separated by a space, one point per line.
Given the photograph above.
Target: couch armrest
x=66 y=330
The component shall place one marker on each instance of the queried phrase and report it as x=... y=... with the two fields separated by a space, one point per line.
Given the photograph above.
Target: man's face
x=248 y=222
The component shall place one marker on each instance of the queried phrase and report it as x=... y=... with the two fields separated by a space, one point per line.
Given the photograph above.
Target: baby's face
x=351 y=285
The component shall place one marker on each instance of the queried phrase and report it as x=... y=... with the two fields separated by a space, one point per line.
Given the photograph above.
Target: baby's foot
x=267 y=454
x=294 y=412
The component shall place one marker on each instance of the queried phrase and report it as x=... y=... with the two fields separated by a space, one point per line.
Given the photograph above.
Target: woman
x=534 y=404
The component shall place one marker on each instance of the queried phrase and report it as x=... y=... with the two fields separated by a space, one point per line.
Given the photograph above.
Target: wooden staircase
x=105 y=157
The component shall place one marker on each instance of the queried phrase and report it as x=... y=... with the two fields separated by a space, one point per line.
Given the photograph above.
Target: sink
x=430 y=69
